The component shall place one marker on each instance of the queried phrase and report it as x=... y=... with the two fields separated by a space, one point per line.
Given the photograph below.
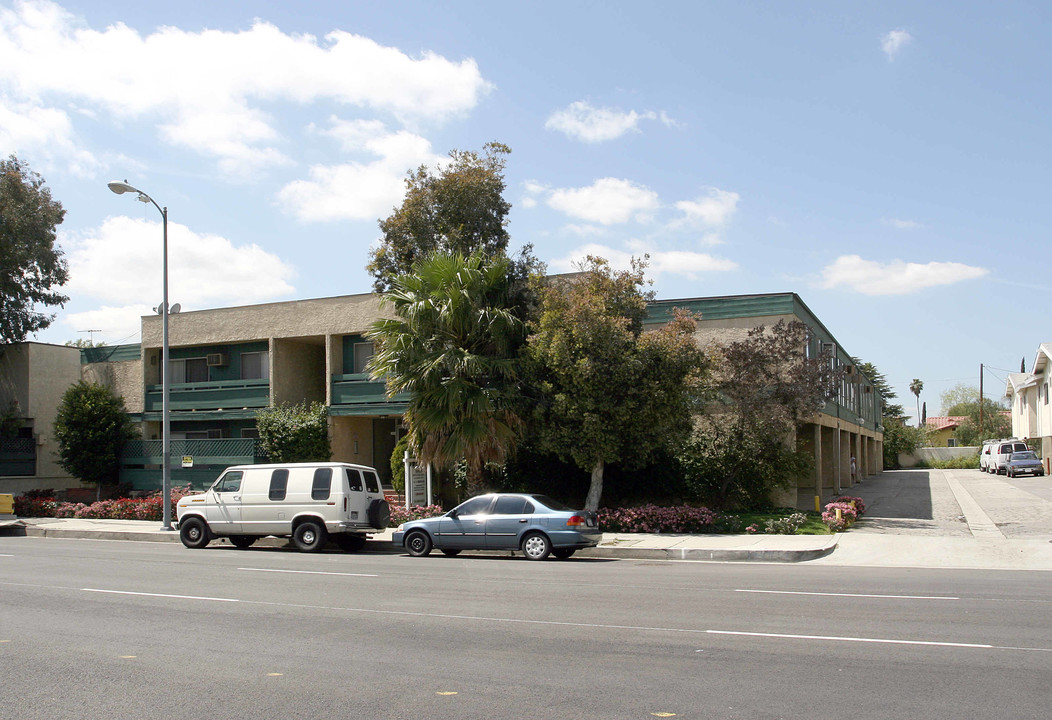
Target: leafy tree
x=453 y=344
x=962 y=400
x=603 y=389
x=30 y=263
x=91 y=428
x=763 y=387
x=881 y=386
x=295 y=433
x=900 y=438
x=460 y=210
x=915 y=387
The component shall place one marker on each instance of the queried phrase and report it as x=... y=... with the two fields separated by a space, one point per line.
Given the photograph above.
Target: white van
x=986 y=455
x=1002 y=452
x=309 y=502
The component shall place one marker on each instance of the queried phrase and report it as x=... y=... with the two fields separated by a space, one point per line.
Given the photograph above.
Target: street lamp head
x=121 y=187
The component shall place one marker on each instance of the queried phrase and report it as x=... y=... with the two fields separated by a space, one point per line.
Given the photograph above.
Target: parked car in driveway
x=1024 y=463
x=1003 y=451
x=537 y=525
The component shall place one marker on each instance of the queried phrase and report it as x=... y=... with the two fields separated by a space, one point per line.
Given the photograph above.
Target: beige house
x=228 y=363
x=1031 y=410
x=33 y=377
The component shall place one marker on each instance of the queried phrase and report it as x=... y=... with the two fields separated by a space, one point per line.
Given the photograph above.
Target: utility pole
x=980 y=401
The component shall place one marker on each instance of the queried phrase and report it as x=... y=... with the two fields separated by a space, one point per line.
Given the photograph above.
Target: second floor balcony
x=219 y=395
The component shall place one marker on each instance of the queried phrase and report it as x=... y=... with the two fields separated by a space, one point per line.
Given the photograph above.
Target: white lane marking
x=162 y=595
x=307 y=572
x=857 y=639
x=5 y=555
x=858 y=595
x=557 y=623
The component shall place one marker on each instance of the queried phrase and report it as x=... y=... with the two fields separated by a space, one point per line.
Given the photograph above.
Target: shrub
x=786 y=525
x=654 y=519
x=848 y=515
x=859 y=503
x=147 y=508
x=401 y=514
x=294 y=433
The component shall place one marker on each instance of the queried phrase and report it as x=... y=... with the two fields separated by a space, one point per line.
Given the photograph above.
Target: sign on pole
x=417 y=482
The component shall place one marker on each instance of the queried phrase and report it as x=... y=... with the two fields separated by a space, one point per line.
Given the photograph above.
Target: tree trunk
x=595 y=490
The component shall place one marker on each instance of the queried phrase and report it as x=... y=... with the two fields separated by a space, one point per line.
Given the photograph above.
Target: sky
x=888 y=162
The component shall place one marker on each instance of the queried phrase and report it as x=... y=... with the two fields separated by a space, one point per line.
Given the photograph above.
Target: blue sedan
x=537 y=525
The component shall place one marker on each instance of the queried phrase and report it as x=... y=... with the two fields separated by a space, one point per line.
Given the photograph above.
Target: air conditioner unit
x=217 y=360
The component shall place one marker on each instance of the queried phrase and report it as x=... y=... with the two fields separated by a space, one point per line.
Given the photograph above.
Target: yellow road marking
x=128 y=657
x=275 y=674
x=445 y=693
x=663 y=714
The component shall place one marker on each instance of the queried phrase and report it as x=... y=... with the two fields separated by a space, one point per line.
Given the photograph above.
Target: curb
x=386 y=547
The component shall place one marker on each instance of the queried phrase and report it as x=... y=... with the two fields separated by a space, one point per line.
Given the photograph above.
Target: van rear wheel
x=310 y=536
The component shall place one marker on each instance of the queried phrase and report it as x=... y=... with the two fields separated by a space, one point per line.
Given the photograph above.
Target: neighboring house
x=1031 y=411
x=228 y=363
x=33 y=378
x=942 y=430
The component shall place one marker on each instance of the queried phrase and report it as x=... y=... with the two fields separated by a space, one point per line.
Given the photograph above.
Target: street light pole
x=166 y=468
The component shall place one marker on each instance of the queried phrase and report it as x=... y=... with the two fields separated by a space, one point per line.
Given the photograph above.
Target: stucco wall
x=297 y=372
x=124 y=378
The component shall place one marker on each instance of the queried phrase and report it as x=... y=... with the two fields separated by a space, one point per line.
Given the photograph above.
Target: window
x=1046 y=393
x=252 y=433
x=362 y=352
x=190 y=370
x=371 y=483
x=255 y=366
x=475 y=506
x=230 y=482
x=510 y=506
x=354 y=480
x=279 y=482
x=322 y=483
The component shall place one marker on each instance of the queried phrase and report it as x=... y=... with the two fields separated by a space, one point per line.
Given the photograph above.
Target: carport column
x=816 y=474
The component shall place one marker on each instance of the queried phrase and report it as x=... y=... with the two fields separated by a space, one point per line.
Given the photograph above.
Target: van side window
x=322 y=483
x=371 y=483
x=354 y=480
x=279 y=482
x=230 y=482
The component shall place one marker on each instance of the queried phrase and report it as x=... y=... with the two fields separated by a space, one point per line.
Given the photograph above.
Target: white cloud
x=120 y=264
x=607 y=201
x=894 y=41
x=902 y=224
x=672 y=262
x=581 y=121
x=207 y=90
x=713 y=209
x=359 y=190
x=894 y=278
x=44 y=133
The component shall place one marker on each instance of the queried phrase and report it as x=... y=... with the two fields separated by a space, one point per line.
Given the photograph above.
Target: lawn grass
x=813 y=526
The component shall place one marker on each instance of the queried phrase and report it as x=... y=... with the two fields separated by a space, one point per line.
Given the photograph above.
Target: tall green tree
x=604 y=390
x=91 y=428
x=295 y=433
x=457 y=209
x=763 y=386
x=898 y=437
x=453 y=344
x=31 y=265
x=881 y=386
x=916 y=387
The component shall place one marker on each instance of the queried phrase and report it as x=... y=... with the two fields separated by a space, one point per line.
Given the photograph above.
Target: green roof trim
x=110 y=353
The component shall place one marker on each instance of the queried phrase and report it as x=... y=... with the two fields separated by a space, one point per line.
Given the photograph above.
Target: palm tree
x=453 y=346
x=915 y=387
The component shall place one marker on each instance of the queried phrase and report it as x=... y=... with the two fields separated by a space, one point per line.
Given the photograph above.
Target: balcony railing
x=360 y=389
x=225 y=451
x=211 y=395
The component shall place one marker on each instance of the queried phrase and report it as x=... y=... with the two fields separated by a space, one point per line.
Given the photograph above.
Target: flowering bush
x=860 y=506
x=654 y=519
x=786 y=525
x=401 y=514
x=848 y=515
x=150 y=507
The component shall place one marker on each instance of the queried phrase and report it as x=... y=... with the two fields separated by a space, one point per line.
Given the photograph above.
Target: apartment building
x=1031 y=410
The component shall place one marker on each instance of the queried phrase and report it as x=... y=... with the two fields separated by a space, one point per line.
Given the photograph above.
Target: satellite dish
x=174 y=309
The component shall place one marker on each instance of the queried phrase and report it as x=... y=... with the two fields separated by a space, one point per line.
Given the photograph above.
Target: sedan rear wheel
x=536 y=546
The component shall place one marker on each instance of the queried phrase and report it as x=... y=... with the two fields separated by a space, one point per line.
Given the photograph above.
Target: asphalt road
x=96 y=629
